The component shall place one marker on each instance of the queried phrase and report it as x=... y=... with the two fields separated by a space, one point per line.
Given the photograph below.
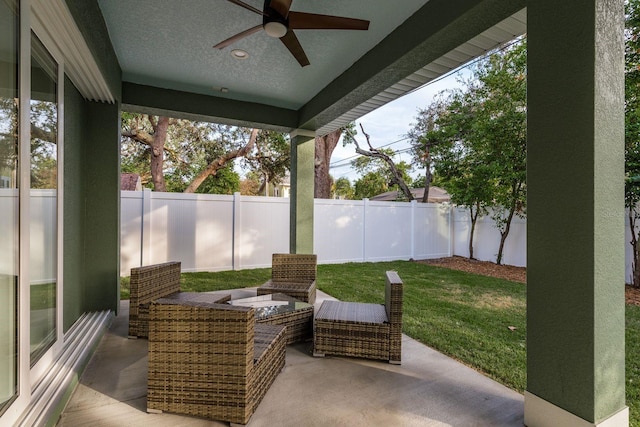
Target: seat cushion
x=353 y=312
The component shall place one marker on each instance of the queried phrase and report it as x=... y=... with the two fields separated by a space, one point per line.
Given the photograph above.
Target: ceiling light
x=275 y=29
x=239 y=54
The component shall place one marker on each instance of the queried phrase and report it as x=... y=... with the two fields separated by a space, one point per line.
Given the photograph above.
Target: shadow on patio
x=428 y=389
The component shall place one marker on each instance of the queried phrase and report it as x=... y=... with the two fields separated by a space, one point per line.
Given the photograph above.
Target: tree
x=476 y=138
x=343 y=189
x=422 y=146
x=397 y=174
x=220 y=162
x=184 y=152
x=502 y=132
x=270 y=159
x=632 y=129
x=324 y=146
x=369 y=185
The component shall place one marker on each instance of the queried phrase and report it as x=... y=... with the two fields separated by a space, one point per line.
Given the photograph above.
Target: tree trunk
x=324 y=149
x=505 y=233
x=427 y=177
x=474 y=220
x=219 y=163
x=157 y=153
x=634 y=244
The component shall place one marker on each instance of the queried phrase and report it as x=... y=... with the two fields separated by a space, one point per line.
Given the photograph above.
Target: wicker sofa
x=293 y=275
x=370 y=331
x=210 y=360
x=156 y=281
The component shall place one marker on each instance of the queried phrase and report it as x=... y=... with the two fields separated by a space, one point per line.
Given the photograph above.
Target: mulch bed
x=507 y=272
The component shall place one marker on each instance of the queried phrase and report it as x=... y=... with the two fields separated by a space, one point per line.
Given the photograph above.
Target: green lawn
x=480 y=321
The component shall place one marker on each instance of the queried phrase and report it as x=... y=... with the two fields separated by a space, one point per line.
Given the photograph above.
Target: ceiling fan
x=279 y=22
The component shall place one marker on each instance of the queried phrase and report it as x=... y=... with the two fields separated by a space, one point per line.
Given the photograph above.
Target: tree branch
x=396 y=177
x=221 y=162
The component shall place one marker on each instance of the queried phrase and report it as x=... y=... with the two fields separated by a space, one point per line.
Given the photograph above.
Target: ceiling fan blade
x=312 y=21
x=238 y=36
x=291 y=42
x=281 y=6
x=247 y=6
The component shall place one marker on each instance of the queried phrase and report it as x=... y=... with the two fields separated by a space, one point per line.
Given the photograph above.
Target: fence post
x=145 y=232
x=365 y=206
x=414 y=206
x=452 y=231
x=235 y=233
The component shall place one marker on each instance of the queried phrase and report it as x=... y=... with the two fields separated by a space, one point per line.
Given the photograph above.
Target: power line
x=340 y=163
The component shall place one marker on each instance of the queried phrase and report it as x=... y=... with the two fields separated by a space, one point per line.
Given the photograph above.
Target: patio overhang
x=157 y=56
x=436 y=39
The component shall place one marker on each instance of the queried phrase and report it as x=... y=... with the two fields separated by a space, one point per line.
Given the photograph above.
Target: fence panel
x=9 y=231
x=388 y=231
x=431 y=231
x=43 y=237
x=487 y=239
x=338 y=231
x=192 y=228
x=131 y=215
x=261 y=229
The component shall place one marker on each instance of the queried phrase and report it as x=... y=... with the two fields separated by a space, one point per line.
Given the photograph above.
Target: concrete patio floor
x=428 y=389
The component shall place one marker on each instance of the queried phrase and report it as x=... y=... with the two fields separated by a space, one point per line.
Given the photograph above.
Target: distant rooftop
x=436 y=195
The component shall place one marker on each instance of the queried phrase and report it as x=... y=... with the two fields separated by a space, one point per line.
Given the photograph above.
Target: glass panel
x=44 y=175
x=8 y=201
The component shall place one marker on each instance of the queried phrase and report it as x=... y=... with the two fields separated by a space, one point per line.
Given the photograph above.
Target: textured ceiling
x=169 y=44
x=169 y=65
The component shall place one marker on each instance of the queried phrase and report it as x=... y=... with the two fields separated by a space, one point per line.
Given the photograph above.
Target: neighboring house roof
x=436 y=195
x=130 y=182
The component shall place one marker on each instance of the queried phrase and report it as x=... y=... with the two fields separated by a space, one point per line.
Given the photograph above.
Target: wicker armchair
x=210 y=360
x=370 y=331
x=293 y=275
x=151 y=282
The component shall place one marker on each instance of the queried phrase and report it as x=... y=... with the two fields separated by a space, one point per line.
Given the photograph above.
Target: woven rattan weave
x=156 y=281
x=369 y=331
x=210 y=360
x=293 y=275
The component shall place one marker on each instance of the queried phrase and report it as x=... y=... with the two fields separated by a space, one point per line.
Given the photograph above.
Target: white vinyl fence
x=215 y=232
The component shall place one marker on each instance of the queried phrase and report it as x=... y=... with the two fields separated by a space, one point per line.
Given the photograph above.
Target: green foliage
x=44 y=147
x=632 y=127
x=369 y=185
x=476 y=139
x=632 y=362
x=343 y=189
x=270 y=158
x=191 y=146
x=226 y=181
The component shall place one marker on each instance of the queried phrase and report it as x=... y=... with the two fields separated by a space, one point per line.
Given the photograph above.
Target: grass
x=478 y=320
x=633 y=364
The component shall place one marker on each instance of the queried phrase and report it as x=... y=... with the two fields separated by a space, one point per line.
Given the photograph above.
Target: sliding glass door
x=44 y=199
x=8 y=202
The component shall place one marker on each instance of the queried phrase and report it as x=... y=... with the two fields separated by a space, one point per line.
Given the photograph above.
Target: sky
x=389 y=124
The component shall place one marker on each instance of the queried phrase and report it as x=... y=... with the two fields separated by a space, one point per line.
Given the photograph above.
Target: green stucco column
x=575 y=214
x=302 y=186
x=101 y=204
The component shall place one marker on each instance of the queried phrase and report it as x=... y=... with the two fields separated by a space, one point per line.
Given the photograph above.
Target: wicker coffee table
x=281 y=309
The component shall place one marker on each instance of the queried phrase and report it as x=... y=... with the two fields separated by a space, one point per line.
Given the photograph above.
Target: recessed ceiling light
x=239 y=54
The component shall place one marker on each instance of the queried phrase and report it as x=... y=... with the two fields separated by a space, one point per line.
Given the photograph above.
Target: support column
x=302 y=185
x=575 y=214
